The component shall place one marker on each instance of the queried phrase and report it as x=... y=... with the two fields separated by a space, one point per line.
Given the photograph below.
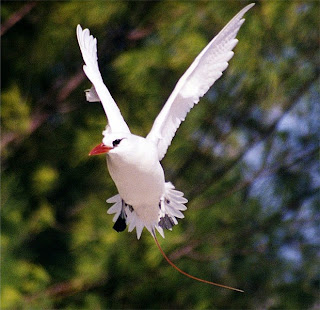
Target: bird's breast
x=139 y=178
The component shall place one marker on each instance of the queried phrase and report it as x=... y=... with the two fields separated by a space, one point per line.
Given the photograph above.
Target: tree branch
x=261 y=172
x=267 y=134
x=40 y=115
x=66 y=288
x=16 y=17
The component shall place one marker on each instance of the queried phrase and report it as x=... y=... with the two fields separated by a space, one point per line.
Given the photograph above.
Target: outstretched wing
x=195 y=82
x=88 y=47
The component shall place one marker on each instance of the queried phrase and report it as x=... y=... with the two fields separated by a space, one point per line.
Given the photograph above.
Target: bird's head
x=112 y=142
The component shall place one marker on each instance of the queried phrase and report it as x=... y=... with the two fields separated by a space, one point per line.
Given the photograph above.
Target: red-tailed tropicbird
x=145 y=199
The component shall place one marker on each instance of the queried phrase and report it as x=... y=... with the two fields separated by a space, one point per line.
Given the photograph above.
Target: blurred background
x=247 y=157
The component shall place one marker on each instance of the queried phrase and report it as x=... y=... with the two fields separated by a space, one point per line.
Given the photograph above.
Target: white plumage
x=145 y=199
x=195 y=82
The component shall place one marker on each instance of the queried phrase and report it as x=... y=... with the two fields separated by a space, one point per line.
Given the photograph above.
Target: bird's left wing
x=99 y=91
x=195 y=82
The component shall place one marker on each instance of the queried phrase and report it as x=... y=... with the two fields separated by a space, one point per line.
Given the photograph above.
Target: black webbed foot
x=166 y=222
x=120 y=224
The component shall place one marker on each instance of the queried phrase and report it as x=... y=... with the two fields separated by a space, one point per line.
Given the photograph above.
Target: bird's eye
x=116 y=142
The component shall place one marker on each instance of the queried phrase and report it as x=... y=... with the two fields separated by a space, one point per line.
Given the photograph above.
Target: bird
x=144 y=197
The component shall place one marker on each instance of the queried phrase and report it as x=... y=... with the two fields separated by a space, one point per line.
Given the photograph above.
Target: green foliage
x=15 y=112
x=247 y=157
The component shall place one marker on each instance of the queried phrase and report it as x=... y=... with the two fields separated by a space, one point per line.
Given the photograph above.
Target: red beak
x=100 y=149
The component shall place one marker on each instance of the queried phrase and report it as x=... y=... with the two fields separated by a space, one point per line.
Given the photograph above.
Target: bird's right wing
x=99 y=91
x=195 y=82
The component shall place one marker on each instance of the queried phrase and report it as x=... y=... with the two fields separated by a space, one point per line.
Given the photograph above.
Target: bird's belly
x=140 y=186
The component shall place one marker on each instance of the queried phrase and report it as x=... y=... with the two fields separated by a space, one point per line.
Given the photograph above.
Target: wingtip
x=78 y=29
x=245 y=9
x=249 y=6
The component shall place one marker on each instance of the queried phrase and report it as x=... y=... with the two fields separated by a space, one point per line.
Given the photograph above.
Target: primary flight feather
x=144 y=198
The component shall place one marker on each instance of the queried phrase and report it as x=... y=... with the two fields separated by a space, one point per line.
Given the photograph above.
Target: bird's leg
x=129 y=207
x=165 y=222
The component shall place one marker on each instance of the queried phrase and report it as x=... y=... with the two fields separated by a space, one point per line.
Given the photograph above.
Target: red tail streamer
x=190 y=276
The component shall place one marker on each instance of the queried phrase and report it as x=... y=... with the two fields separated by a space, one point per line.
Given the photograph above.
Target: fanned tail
x=171 y=206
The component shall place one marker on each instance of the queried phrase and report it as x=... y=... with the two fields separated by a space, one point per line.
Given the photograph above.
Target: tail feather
x=171 y=205
x=189 y=275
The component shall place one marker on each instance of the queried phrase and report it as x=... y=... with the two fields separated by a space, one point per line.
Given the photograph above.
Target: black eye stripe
x=116 y=142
